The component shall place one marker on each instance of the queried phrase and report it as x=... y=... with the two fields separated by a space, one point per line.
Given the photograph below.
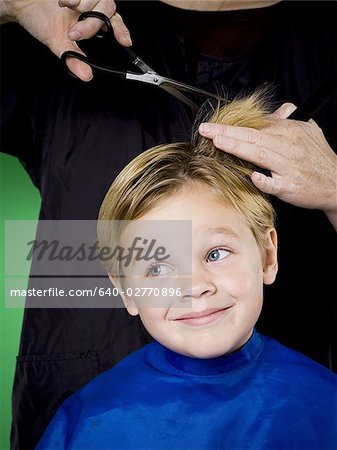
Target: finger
x=78 y=68
x=89 y=27
x=283 y=111
x=256 y=141
x=121 y=31
x=211 y=130
x=79 y=5
x=68 y=3
x=266 y=184
x=84 y=29
x=244 y=134
x=257 y=154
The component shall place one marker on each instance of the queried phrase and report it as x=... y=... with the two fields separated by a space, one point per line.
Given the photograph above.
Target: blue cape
x=262 y=396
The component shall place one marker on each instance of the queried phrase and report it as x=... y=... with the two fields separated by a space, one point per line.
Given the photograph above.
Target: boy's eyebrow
x=223 y=230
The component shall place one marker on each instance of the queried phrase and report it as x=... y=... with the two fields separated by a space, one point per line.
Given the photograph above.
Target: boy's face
x=222 y=300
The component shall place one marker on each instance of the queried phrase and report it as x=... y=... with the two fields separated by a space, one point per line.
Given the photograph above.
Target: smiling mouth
x=203 y=317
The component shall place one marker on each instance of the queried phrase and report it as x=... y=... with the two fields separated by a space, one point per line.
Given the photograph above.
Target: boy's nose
x=199 y=285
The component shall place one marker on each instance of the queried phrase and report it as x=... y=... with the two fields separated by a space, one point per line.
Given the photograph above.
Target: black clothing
x=73 y=138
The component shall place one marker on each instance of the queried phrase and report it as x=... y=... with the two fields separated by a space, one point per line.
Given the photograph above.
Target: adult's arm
x=54 y=23
x=303 y=166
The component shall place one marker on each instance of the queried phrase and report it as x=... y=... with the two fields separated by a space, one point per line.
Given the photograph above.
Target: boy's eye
x=217 y=255
x=157 y=270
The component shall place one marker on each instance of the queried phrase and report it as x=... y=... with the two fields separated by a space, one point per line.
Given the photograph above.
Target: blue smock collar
x=245 y=355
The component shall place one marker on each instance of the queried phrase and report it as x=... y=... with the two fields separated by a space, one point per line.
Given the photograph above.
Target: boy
x=209 y=381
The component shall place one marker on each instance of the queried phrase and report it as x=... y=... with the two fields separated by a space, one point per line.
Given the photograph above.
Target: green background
x=19 y=200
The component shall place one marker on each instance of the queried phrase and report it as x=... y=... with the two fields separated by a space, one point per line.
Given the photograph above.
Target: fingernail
x=75 y=35
x=127 y=39
x=205 y=128
x=257 y=176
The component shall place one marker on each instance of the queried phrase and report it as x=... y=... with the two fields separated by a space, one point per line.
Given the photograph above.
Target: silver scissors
x=146 y=75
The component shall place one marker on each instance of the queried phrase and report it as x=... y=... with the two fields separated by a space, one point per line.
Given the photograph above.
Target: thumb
x=78 y=68
x=283 y=111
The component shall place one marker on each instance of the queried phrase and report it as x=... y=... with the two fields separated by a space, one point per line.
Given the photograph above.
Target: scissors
x=146 y=75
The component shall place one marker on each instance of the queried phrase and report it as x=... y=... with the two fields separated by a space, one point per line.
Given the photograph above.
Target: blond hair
x=161 y=171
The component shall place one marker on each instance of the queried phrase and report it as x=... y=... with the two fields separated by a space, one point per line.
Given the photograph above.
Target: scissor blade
x=172 y=86
x=180 y=97
x=167 y=82
x=153 y=78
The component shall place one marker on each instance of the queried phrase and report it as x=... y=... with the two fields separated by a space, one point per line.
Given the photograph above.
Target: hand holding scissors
x=55 y=25
x=145 y=73
x=85 y=29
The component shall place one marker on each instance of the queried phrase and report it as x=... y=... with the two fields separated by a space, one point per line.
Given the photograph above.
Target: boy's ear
x=128 y=302
x=270 y=266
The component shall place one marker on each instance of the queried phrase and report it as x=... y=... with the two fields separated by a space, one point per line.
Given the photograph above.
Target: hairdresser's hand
x=302 y=164
x=54 y=23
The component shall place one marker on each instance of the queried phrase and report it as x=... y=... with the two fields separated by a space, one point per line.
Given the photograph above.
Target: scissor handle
x=110 y=34
x=94 y=64
x=98 y=15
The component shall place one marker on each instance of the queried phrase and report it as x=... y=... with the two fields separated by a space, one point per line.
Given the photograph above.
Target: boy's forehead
x=228 y=231
x=186 y=217
x=202 y=205
x=171 y=237
x=175 y=236
x=170 y=232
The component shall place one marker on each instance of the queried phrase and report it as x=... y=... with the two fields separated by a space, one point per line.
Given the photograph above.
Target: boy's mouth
x=203 y=317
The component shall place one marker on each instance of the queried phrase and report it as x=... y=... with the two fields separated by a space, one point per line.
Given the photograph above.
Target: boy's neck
x=220 y=365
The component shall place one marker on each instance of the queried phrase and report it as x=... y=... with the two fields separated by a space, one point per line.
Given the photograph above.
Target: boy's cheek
x=154 y=293
x=241 y=278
